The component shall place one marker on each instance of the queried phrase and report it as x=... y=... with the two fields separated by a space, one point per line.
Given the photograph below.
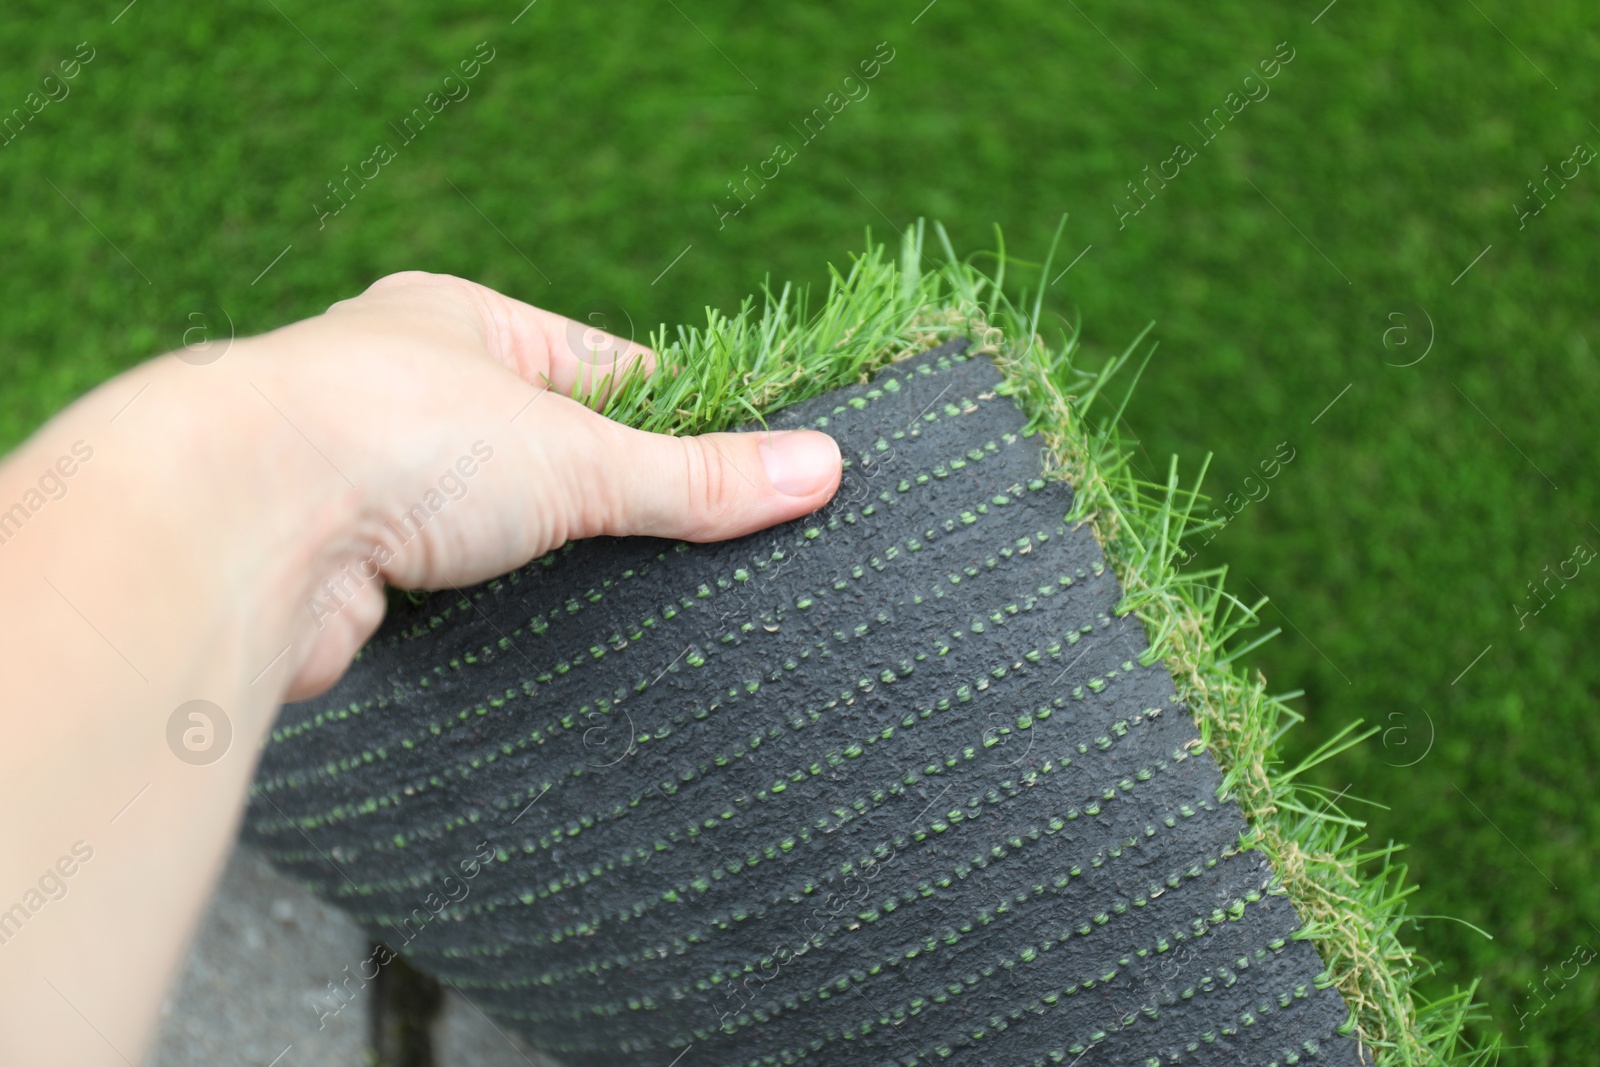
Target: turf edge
x=1351 y=895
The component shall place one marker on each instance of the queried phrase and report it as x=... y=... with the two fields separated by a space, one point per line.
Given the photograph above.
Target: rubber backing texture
x=884 y=785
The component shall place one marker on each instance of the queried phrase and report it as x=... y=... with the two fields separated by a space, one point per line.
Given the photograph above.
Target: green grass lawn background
x=582 y=172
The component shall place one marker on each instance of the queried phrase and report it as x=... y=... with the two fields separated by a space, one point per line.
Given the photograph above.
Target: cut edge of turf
x=1351 y=896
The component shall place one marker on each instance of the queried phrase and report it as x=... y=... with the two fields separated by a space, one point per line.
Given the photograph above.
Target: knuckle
x=597 y=508
x=710 y=491
x=601 y=498
x=404 y=278
x=446 y=293
x=416 y=280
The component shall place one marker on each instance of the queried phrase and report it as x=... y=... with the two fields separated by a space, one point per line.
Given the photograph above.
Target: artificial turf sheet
x=887 y=784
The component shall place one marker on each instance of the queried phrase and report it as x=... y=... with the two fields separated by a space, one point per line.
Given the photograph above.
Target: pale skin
x=183 y=558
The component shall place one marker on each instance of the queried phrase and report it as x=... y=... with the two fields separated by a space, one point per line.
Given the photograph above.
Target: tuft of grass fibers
x=1351 y=894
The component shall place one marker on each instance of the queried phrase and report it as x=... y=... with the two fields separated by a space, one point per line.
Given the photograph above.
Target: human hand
x=443 y=411
x=225 y=537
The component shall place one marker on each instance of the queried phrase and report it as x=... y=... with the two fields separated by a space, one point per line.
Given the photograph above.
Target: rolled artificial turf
x=901 y=782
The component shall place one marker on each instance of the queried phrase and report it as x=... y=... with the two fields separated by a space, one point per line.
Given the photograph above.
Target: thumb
x=717 y=485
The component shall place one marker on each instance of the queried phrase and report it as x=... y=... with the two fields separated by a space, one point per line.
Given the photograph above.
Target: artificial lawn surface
x=900 y=747
x=1393 y=148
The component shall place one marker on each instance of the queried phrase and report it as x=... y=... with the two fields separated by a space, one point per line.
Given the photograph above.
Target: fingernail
x=799 y=462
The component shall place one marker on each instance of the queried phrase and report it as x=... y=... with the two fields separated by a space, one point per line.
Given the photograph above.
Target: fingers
x=534 y=343
x=710 y=487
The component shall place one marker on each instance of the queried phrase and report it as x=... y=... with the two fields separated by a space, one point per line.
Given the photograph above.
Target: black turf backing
x=884 y=785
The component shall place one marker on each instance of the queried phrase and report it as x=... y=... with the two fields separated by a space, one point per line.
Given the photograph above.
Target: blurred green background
x=582 y=171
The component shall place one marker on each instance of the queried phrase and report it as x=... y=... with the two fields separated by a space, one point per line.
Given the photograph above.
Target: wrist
x=297 y=480
x=219 y=477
